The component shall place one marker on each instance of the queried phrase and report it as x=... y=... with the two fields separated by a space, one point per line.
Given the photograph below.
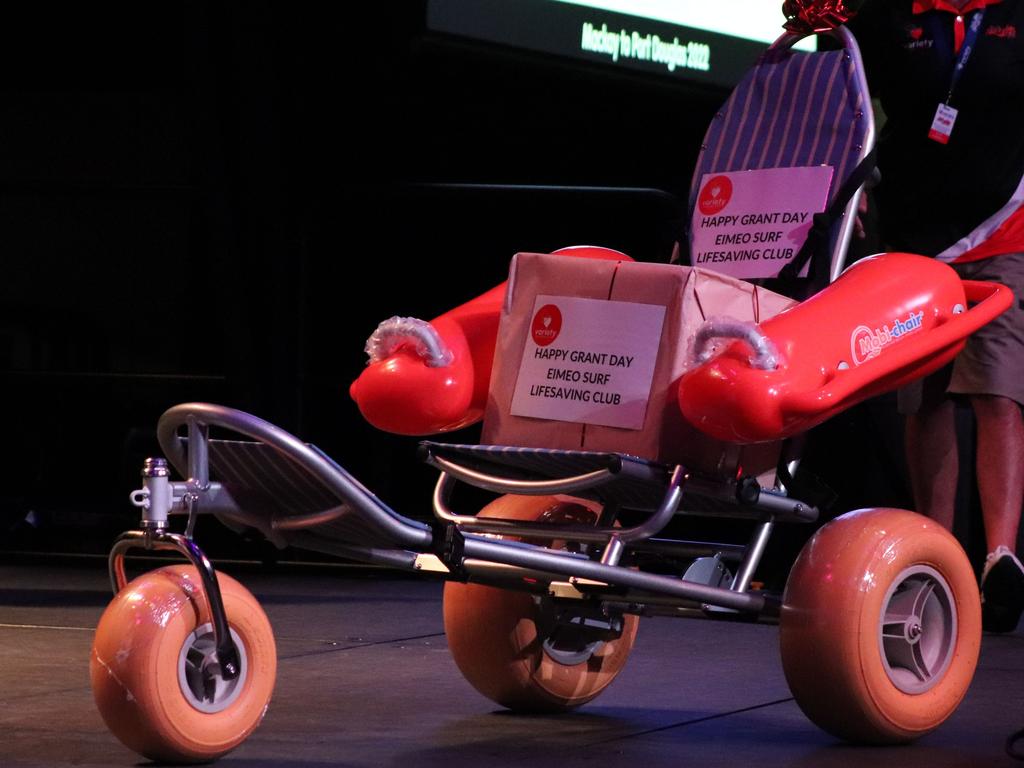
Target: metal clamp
x=450 y=547
x=156 y=497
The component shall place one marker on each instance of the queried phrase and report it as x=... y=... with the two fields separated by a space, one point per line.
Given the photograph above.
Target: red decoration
x=806 y=16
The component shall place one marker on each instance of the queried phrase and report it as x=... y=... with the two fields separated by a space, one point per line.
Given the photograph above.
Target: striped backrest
x=792 y=109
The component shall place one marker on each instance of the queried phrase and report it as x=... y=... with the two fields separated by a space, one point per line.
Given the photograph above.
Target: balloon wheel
x=514 y=648
x=155 y=676
x=881 y=626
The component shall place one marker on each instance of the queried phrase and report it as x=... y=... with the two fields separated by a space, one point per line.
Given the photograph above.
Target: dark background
x=219 y=201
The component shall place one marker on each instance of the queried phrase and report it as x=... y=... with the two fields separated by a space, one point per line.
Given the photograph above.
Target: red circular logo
x=715 y=196
x=546 y=326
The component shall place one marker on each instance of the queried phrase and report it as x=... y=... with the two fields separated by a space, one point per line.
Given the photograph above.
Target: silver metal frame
x=413 y=545
x=402 y=531
x=471 y=523
x=849 y=44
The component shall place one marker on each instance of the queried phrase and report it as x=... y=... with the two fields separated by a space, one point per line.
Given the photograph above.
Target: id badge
x=942 y=124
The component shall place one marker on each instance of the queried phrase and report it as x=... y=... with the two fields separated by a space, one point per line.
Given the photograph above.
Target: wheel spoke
x=920 y=666
x=194 y=661
x=899 y=653
x=922 y=591
x=899 y=612
x=209 y=688
x=894 y=625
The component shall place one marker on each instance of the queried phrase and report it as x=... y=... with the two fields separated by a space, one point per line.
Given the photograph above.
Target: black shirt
x=932 y=195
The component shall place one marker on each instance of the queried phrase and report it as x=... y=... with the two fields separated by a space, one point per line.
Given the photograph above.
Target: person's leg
x=990 y=370
x=930 y=440
x=1001 y=488
x=1000 y=468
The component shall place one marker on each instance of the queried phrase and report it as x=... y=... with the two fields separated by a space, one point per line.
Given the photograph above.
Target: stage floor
x=365 y=679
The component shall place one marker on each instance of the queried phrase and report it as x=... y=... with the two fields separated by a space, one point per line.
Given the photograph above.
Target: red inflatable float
x=886 y=321
x=424 y=378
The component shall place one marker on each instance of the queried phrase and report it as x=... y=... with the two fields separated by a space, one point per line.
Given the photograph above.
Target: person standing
x=950 y=77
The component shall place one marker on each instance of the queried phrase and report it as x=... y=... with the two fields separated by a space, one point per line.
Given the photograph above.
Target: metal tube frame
x=752 y=558
x=410 y=537
x=526 y=487
x=538 y=558
x=645 y=530
x=849 y=47
x=541 y=559
x=404 y=532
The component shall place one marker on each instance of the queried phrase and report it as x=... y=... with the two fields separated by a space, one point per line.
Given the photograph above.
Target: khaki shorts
x=992 y=362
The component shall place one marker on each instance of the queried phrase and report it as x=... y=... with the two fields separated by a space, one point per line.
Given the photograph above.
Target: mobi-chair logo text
x=866 y=343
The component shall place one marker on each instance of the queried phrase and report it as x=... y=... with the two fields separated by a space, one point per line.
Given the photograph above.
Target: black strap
x=816 y=244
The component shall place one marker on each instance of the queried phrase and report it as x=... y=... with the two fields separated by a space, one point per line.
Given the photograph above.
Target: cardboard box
x=577 y=365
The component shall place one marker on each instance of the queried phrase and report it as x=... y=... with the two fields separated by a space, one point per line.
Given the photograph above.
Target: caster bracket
x=159 y=539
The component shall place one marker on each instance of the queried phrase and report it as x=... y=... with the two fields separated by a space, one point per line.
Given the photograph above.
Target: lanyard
x=970 y=38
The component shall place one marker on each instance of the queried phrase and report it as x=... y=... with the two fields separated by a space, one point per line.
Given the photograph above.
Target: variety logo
x=866 y=344
x=915 y=38
x=715 y=196
x=546 y=326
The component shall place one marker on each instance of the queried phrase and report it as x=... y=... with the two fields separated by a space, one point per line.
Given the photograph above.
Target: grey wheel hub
x=918 y=629
x=199 y=673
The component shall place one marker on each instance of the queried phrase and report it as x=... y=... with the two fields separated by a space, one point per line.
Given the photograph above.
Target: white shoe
x=1002 y=591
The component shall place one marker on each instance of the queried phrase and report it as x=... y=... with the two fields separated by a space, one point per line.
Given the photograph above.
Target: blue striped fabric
x=793 y=109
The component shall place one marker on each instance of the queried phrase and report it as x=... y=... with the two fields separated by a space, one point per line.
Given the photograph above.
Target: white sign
x=589 y=361
x=752 y=223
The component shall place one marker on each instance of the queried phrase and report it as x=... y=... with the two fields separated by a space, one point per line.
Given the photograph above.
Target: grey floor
x=365 y=679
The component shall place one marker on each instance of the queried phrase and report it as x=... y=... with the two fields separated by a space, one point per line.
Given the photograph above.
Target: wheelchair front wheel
x=154 y=673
